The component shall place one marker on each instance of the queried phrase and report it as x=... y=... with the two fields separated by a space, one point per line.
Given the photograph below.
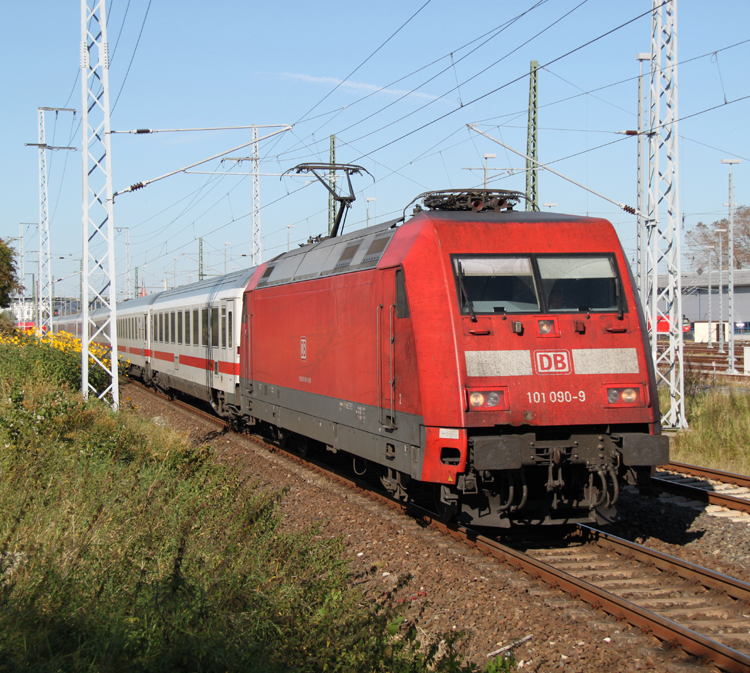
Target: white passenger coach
x=184 y=339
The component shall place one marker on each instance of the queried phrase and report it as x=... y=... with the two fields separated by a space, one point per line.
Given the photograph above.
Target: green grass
x=123 y=547
x=718 y=416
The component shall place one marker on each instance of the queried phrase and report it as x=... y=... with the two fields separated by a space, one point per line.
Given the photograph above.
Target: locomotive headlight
x=488 y=399
x=546 y=326
x=630 y=396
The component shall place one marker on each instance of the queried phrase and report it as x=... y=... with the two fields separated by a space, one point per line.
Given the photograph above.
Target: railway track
x=705 y=613
x=731 y=492
x=701 y=360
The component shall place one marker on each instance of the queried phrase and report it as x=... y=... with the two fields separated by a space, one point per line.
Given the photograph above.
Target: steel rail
x=703 y=494
x=665 y=629
x=708 y=473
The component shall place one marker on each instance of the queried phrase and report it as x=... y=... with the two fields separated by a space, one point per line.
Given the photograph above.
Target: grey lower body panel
x=341 y=424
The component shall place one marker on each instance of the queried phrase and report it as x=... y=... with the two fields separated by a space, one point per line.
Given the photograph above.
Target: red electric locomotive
x=495 y=359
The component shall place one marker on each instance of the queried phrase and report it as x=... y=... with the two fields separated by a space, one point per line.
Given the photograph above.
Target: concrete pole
x=732 y=359
x=721 y=293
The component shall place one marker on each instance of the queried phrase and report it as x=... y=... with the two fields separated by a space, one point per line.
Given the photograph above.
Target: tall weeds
x=125 y=548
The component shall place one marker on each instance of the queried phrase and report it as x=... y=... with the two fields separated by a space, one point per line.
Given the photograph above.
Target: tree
x=703 y=240
x=9 y=280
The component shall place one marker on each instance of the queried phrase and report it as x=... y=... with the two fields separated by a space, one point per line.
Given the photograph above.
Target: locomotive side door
x=246 y=369
x=386 y=347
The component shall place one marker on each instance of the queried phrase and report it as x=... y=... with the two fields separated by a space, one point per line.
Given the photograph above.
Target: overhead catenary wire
x=615 y=141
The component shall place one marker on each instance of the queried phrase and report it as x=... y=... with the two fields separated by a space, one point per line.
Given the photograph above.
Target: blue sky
x=399 y=109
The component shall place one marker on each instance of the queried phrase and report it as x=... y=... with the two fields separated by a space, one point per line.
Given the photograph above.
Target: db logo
x=552 y=362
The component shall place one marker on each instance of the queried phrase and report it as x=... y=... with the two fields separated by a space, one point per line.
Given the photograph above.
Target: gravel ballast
x=453 y=587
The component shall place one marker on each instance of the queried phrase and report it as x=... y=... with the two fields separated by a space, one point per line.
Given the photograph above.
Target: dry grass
x=719 y=418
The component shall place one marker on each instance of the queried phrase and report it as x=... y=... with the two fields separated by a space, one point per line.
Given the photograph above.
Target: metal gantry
x=642 y=261
x=257 y=247
x=331 y=184
x=45 y=305
x=99 y=272
x=531 y=142
x=665 y=303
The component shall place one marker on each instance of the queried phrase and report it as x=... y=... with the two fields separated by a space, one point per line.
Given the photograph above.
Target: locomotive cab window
x=499 y=284
x=495 y=284
x=580 y=284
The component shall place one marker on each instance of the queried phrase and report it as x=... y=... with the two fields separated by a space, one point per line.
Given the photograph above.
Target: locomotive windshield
x=579 y=284
x=496 y=284
x=491 y=284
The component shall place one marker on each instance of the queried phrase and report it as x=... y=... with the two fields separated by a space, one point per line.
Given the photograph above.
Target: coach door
x=386 y=329
x=146 y=339
x=228 y=346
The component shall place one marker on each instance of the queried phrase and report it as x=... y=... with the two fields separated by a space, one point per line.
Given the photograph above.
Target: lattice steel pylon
x=665 y=303
x=44 y=307
x=99 y=271
x=257 y=251
x=46 y=289
x=532 y=202
x=332 y=183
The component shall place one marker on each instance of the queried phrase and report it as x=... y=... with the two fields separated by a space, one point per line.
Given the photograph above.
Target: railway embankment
x=127 y=546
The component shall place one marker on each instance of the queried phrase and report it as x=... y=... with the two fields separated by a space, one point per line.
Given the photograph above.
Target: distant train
x=495 y=361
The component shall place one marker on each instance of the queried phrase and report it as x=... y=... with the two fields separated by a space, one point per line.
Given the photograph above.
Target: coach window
x=402 y=304
x=172 y=325
x=161 y=328
x=204 y=327
x=223 y=326
x=179 y=327
x=215 y=327
x=196 y=342
x=166 y=328
x=229 y=328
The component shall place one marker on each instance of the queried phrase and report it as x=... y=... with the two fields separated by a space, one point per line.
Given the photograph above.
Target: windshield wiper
x=465 y=293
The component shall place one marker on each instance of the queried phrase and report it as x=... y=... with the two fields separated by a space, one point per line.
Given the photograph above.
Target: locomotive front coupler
x=511 y=452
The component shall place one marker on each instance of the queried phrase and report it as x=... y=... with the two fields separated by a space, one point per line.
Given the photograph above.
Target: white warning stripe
x=498 y=363
x=605 y=361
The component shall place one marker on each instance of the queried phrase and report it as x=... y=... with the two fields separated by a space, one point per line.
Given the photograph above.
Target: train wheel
x=279 y=436
x=446 y=502
x=300 y=445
